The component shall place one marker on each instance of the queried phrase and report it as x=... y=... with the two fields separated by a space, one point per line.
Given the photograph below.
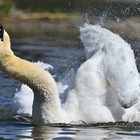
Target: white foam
x=44 y=65
x=107 y=80
x=61 y=87
x=116 y=70
x=23 y=100
x=118 y=60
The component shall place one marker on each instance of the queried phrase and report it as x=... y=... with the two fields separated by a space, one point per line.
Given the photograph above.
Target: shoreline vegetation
x=40 y=16
x=59 y=18
x=66 y=23
x=55 y=24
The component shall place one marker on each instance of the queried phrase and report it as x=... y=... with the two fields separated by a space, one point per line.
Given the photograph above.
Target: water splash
x=104 y=83
x=23 y=99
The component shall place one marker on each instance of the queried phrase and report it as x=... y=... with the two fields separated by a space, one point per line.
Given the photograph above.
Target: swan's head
x=1 y=32
x=4 y=39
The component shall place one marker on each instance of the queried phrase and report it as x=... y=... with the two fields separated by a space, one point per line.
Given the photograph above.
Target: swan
x=116 y=69
x=105 y=83
x=46 y=104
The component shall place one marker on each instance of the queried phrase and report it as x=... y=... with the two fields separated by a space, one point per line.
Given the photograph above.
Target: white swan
x=118 y=61
x=116 y=70
x=109 y=77
x=46 y=105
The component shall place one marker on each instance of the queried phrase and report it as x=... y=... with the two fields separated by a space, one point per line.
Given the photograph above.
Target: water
x=63 y=55
x=71 y=57
x=29 y=132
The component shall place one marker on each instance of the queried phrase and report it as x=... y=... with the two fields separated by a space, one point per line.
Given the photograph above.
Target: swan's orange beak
x=1 y=32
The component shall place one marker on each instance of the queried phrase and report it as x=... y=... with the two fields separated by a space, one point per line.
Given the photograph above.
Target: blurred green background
x=60 y=17
x=119 y=8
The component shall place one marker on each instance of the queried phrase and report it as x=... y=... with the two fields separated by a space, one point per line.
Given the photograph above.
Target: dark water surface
x=26 y=131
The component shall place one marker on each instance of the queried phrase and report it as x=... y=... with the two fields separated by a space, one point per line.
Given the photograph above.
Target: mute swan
x=46 y=104
x=105 y=82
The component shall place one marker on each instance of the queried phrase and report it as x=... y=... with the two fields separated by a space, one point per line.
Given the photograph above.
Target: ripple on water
x=16 y=130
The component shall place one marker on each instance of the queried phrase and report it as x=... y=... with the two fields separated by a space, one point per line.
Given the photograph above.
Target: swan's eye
x=1 y=32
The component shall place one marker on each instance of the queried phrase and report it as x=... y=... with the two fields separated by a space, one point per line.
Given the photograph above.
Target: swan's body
x=118 y=62
x=115 y=76
x=104 y=83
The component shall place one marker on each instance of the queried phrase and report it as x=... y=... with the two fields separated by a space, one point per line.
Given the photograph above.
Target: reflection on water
x=22 y=131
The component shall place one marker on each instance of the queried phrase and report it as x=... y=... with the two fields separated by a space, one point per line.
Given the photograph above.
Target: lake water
x=24 y=131
x=64 y=54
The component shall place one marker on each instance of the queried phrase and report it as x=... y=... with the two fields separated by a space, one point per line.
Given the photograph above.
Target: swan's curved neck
x=46 y=98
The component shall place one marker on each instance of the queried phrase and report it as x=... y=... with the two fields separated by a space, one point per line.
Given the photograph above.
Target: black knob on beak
x=1 y=32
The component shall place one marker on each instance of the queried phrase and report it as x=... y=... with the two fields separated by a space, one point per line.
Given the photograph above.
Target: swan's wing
x=119 y=62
